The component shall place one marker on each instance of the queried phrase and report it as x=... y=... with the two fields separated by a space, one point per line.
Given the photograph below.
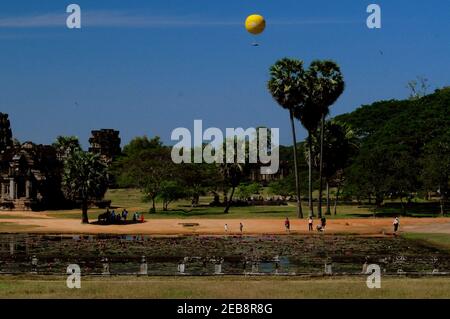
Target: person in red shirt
x=287 y=225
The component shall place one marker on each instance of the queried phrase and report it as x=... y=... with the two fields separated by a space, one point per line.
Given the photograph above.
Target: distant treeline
x=396 y=149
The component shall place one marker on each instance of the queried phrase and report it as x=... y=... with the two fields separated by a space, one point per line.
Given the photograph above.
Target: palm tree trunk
x=297 y=180
x=319 y=206
x=441 y=199
x=328 y=200
x=153 y=205
x=227 y=208
x=336 y=200
x=401 y=203
x=310 y=192
x=84 y=212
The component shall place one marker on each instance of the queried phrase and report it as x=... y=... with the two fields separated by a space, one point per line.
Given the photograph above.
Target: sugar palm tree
x=84 y=178
x=309 y=115
x=287 y=84
x=339 y=146
x=66 y=145
x=327 y=84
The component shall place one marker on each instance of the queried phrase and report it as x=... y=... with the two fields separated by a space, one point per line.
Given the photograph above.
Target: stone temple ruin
x=30 y=174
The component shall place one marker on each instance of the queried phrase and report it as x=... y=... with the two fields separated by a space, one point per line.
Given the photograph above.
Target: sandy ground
x=27 y=214
x=361 y=226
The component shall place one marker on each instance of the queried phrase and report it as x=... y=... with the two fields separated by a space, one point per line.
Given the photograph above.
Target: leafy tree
x=381 y=170
x=233 y=174
x=198 y=179
x=368 y=119
x=84 y=179
x=245 y=191
x=145 y=164
x=286 y=84
x=436 y=168
x=170 y=191
x=339 y=146
x=409 y=125
x=141 y=143
x=283 y=187
x=400 y=138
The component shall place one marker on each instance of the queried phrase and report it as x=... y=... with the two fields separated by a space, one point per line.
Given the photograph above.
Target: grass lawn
x=441 y=241
x=16 y=216
x=223 y=287
x=131 y=199
x=13 y=227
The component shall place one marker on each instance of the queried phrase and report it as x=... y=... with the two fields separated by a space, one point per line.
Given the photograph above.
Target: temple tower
x=5 y=133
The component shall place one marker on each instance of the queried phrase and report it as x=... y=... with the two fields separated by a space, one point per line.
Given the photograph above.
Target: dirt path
x=437 y=228
x=360 y=226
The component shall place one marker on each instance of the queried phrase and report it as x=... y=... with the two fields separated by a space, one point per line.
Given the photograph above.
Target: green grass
x=441 y=241
x=132 y=200
x=13 y=227
x=9 y=216
x=223 y=287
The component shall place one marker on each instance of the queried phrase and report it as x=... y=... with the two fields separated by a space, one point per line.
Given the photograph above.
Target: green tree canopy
x=84 y=179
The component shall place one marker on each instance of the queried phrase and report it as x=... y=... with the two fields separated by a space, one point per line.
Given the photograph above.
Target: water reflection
x=147 y=255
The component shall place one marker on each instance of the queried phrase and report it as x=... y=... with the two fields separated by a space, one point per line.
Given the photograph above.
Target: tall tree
x=418 y=88
x=84 y=178
x=327 y=85
x=309 y=115
x=436 y=168
x=233 y=174
x=146 y=164
x=339 y=146
x=198 y=179
x=171 y=191
x=287 y=86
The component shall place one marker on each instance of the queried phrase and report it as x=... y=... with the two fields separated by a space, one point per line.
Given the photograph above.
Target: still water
x=207 y=255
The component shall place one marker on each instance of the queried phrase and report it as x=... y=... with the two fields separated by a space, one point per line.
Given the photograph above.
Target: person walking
x=323 y=222
x=287 y=225
x=226 y=228
x=241 y=227
x=310 y=223
x=396 y=224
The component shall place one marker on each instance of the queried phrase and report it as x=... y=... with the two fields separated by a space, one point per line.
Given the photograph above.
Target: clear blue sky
x=146 y=67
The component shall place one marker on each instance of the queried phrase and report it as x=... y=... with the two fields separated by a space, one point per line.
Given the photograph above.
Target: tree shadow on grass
x=188 y=213
x=393 y=212
x=121 y=223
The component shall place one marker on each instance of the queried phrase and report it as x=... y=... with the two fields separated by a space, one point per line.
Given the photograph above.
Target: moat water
x=201 y=255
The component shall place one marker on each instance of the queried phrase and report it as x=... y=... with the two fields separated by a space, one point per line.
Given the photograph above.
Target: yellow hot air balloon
x=255 y=24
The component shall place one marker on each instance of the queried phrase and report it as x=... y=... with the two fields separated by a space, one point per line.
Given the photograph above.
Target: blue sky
x=147 y=67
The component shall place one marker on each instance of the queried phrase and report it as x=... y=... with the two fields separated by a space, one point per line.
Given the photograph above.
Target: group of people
x=323 y=224
x=111 y=217
x=287 y=225
x=241 y=228
x=320 y=228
